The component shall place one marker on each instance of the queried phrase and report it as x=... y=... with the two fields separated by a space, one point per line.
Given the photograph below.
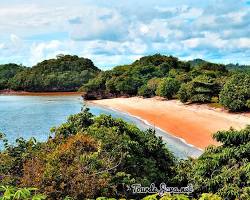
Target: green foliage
x=204 y=196
x=201 y=89
x=195 y=81
x=210 y=197
x=138 y=78
x=223 y=170
x=12 y=193
x=248 y=104
x=168 y=87
x=88 y=157
x=98 y=156
x=239 y=68
x=7 y=72
x=215 y=100
x=145 y=91
x=66 y=73
x=149 y=89
x=166 y=197
x=185 y=92
x=235 y=94
x=204 y=88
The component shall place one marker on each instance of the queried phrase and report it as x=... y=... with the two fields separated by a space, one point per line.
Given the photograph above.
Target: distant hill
x=231 y=66
x=196 y=62
x=65 y=73
x=238 y=67
x=196 y=81
x=145 y=75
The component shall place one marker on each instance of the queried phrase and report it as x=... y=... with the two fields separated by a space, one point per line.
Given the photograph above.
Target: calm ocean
x=33 y=116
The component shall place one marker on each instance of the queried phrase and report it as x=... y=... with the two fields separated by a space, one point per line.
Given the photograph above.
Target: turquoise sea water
x=33 y=116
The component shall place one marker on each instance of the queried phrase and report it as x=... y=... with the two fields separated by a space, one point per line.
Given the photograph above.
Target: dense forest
x=65 y=73
x=7 y=72
x=99 y=156
x=194 y=81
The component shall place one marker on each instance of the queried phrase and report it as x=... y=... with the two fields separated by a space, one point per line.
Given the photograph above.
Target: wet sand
x=193 y=123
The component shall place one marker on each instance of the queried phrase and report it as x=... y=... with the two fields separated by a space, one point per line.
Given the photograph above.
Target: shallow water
x=33 y=116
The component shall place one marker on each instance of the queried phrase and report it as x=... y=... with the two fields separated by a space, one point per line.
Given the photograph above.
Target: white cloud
x=43 y=50
x=98 y=23
x=209 y=40
x=1 y=45
x=110 y=31
x=242 y=43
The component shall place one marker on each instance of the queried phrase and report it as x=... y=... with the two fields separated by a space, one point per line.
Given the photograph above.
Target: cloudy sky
x=112 y=32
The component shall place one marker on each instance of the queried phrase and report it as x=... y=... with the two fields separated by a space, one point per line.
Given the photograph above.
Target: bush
x=236 y=92
x=200 y=98
x=167 y=196
x=168 y=87
x=222 y=170
x=248 y=104
x=185 y=92
x=88 y=157
x=153 y=83
x=12 y=193
x=145 y=91
x=214 y=100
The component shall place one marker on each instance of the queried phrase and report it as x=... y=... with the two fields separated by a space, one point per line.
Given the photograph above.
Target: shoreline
x=148 y=124
x=25 y=93
x=193 y=124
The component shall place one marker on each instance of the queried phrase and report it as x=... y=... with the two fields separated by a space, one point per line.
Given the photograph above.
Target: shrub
x=215 y=100
x=236 y=92
x=222 y=170
x=185 y=92
x=168 y=87
x=88 y=157
x=12 y=193
x=145 y=91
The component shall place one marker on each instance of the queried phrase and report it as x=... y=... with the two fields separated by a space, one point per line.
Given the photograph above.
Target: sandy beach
x=193 y=123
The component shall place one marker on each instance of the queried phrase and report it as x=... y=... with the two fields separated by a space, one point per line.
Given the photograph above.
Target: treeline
x=90 y=157
x=7 y=72
x=195 y=81
x=65 y=73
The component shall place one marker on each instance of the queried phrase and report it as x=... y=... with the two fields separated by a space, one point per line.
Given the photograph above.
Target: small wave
x=155 y=127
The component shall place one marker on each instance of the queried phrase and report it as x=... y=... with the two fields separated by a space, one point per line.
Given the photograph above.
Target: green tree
x=168 y=87
x=88 y=157
x=185 y=92
x=236 y=92
x=7 y=72
x=66 y=73
x=222 y=170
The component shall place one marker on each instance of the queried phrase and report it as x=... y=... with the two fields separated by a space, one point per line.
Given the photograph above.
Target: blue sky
x=112 y=32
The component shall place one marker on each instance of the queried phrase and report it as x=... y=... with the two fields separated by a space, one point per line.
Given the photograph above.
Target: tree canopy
x=88 y=157
x=93 y=156
x=235 y=94
x=65 y=73
x=7 y=72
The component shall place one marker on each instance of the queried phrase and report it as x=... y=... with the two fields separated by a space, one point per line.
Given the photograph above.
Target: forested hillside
x=196 y=81
x=90 y=157
x=7 y=72
x=65 y=73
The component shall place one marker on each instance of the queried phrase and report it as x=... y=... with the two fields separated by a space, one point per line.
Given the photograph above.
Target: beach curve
x=193 y=124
